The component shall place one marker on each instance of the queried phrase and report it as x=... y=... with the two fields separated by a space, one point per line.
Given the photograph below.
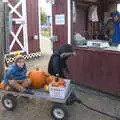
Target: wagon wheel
x=9 y=102
x=58 y=112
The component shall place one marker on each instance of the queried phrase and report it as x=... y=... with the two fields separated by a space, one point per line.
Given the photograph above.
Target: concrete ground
x=40 y=110
x=46 y=45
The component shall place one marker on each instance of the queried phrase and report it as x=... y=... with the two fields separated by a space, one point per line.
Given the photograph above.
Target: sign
x=60 y=19
x=18 y=21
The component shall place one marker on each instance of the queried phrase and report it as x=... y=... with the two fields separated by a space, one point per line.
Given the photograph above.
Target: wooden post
x=2 y=37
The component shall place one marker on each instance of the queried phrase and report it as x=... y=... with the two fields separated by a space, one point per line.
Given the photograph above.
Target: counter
x=96 y=68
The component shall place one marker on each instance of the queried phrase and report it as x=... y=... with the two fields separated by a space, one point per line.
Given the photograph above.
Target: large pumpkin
x=38 y=79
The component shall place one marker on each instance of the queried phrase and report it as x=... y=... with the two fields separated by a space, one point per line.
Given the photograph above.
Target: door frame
x=69 y=12
x=39 y=20
x=25 y=27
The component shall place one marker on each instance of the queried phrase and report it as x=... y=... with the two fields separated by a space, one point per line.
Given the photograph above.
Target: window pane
x=118 y=7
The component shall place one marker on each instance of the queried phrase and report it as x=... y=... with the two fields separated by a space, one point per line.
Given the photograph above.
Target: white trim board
x=25 y=30
x=39 y=19
x=22 y=22
x=69 y=20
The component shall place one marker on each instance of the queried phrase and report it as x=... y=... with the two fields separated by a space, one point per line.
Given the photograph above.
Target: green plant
x=43 y=16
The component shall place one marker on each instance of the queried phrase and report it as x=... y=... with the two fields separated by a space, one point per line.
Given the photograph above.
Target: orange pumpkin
x=46 y=88
x=2 y=85
x=49 y=79
x=55 y=84
x=38 y=79
x=62 y=86
x=61 y=81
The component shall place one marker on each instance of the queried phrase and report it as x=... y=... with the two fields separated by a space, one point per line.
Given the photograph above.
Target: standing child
x=16 y=76
x=58 y=61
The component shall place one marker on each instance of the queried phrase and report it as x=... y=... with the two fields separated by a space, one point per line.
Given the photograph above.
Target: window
x=118 y=7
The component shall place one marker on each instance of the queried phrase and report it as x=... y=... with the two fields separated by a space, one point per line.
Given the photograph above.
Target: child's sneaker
x=28 y=91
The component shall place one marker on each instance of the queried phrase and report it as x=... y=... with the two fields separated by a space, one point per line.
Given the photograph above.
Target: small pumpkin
x=50 y=79
x=58 y=82
x=46 y=88
x=61 y=86
x=55 y=84
x=38 y=79
x=61 y=81
x=2 y=85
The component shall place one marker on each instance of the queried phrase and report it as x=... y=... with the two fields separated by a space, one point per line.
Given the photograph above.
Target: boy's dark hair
x=19 y=58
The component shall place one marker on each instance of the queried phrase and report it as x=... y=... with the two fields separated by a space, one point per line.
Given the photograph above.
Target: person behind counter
x=112 y=29
x=57 y=64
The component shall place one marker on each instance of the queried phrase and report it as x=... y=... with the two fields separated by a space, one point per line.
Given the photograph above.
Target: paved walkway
x=40 y=110
x=46 y=45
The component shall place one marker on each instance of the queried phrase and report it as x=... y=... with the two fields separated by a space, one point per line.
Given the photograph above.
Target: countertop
x=111 y=49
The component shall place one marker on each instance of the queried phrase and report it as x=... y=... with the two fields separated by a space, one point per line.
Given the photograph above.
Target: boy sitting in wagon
x=16 y=76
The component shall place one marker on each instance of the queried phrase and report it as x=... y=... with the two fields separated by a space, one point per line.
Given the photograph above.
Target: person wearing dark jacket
x=112 y=29
x=58 y=61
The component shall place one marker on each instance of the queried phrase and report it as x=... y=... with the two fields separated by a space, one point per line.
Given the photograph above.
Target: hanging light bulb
x=51 y=1
x=74 y=12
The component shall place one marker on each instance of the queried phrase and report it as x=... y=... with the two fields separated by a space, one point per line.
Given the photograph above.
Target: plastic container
x=60 y=93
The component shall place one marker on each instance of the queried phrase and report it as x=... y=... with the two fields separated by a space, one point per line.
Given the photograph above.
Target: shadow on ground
x=40 y=110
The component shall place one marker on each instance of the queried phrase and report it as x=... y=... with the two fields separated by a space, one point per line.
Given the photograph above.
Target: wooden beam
x=86 y=3
x=3 y=36
x=87 y=0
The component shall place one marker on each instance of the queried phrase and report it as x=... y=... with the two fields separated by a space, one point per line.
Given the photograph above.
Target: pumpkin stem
x=37 y=69
x=47 y=75
x=56 y=79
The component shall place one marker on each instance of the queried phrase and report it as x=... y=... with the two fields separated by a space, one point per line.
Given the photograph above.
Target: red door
x=60 y=24
x=33 y=26
x=24 y=26
x=18 y=40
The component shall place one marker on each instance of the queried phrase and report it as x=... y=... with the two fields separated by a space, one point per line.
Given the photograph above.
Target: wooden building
x=24 y=30
x=92 y=67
